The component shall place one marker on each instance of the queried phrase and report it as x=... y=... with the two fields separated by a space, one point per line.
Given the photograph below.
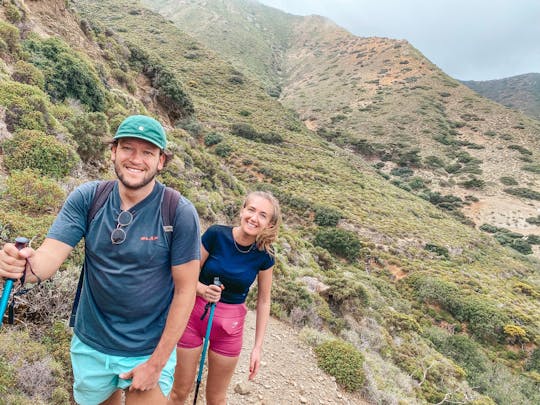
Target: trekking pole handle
x=20 y=243
x=217 y=282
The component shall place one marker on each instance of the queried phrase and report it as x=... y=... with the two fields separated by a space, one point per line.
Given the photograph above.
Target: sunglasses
x=118 y=235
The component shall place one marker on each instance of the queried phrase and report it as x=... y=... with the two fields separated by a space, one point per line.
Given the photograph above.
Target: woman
x=237 y=255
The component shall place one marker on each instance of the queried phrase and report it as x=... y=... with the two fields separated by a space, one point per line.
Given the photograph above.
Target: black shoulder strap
x=104 y=188
x=101 y=194
x=168 y=211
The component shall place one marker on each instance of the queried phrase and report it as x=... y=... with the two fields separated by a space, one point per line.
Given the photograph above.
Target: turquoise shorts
x=96 y=374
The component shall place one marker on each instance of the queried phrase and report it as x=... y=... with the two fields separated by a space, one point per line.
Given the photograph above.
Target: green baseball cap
x=142 y=127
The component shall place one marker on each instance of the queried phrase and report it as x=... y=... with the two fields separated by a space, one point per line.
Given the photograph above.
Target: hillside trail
x=288 y=375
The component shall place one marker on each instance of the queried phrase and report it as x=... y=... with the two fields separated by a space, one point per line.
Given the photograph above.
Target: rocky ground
x=289 y=373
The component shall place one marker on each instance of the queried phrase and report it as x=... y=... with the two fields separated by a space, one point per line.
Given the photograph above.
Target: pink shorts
x=227 y=328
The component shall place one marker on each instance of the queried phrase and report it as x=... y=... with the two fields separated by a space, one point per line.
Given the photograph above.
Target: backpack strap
x=101 y=194
x=168 y=211
x=169 y=204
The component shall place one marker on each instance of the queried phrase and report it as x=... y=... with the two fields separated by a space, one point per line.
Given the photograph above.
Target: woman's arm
x=264 y=287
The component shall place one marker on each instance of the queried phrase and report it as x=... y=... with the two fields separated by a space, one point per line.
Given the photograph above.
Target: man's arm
x=185 y=277
x=45 y=261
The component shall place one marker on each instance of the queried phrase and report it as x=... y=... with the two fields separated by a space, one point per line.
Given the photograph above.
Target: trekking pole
x=206 y=341
x=20 y=243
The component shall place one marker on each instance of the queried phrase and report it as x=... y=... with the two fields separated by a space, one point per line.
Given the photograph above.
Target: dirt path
x=289 y=373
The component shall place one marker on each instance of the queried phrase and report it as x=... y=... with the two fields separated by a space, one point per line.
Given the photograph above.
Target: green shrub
x=13 y=14
x=223 y=150
x=213 y=138
x=489 y=228
x=523 y=193
x=248 y=132
x=438 y=250
x=92 y=134
x=27 y=107
x=36 y=150
x=341 y=360
x=535 y=168
x=27 y=73
x=522 y=246
x=339 y=242
x=170 y=92
x=67 y=74
x=533 y=220
x=474 y=183
x=508 y=181
x=288 y=295
x=402 y=171
x=30 y=192
x=325 y=216
x=10 y=35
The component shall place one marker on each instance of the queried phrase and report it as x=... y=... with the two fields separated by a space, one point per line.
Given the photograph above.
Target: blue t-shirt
x=236 y=270
x=127 y=288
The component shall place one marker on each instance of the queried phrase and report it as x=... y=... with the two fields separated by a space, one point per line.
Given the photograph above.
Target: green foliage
x=438 y=250
x=523 y=193
x=67 y=73
x=339 y=242
x=341 y=360
x=27 y=107
x=13 y=14
x=533 y=220
x=248 y=132
x=223 y=150
x=213 y=138
x=32 y=193
x=508 y=181
x=24 y=72
x=288 y=295
x=41 y=152
x=485 y=320
x=535 y=168
x=326 y=216
x=446 y=202
x=474 y=183
x=489 y=228
x=170 y=94
x=349 y=295
x=91 y=132
x=520 y=149
x=9 y=34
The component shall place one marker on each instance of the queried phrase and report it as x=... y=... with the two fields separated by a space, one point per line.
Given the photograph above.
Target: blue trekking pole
x=20 y=243
x=206 y=341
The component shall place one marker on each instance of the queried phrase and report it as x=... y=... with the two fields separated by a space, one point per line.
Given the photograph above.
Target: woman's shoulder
x=217 y=228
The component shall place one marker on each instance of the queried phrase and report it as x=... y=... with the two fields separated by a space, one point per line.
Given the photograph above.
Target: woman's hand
x=212 y=293
x=254 y=363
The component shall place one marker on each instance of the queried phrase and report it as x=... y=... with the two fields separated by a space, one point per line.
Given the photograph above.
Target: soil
x=288 y=375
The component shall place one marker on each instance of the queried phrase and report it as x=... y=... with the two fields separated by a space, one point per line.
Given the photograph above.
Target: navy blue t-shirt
x=236 y=270
x=128 y=288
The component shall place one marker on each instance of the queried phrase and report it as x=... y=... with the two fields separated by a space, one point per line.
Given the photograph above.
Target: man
x=138 y=290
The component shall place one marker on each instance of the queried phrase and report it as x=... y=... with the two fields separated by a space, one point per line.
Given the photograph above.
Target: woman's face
x=256 y=215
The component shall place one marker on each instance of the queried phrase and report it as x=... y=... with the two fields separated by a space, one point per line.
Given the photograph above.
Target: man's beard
x=145 y=181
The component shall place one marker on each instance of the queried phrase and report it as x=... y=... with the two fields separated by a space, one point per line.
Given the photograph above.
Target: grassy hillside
x=437 y=308
x=520 y=92
x=383 y=100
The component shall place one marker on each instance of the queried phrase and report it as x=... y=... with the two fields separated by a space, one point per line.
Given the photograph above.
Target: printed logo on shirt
x=149 y=238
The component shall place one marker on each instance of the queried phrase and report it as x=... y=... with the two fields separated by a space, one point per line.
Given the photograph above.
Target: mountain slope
x=385 y=101
x=520 y=92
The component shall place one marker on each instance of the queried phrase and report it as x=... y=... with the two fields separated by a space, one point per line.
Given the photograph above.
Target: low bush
x=341 y=360
x=67 y=74
x=9 y=34
x=24 y=72
x=248 y=132
x=32 y=193
x=523 y=193
x=213 y=138
x=223 y=150
x=91 y=132
x=508 y=181
x=325 y=216
x=339 y=241
x=41 y=152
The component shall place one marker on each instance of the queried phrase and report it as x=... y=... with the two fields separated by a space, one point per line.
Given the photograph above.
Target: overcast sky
x=468 y=39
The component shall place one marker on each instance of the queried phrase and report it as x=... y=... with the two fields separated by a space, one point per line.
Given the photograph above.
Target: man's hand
x=13 y=261
x=144 y=377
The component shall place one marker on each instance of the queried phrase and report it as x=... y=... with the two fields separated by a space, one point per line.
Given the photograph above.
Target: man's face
x=136 y=162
